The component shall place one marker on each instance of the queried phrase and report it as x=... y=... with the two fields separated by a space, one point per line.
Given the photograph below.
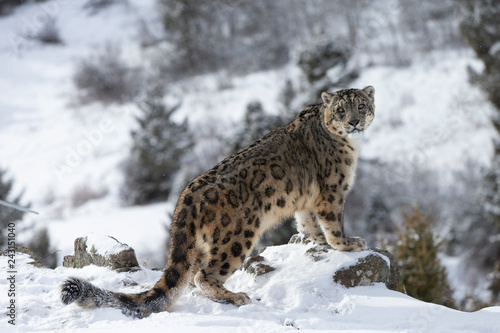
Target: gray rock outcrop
x=369 y=270
x=102 y=251
x=369 y=267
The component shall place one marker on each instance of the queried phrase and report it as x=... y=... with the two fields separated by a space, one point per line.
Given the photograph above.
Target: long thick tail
x=161 y=296
x=89 y=296
x=140 y=305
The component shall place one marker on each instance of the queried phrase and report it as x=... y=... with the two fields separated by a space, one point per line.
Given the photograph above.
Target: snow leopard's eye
x=361 y=106
x=341 y=110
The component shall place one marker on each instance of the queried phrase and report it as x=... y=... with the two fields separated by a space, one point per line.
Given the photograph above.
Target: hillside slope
x=299 y=295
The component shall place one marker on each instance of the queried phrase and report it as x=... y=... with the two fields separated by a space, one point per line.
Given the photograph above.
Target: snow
x=104 y=245
x=299 y=295
x=427 y=114
x=136 y=225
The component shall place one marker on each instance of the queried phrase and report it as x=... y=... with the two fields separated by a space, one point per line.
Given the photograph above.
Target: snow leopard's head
x=349 y=112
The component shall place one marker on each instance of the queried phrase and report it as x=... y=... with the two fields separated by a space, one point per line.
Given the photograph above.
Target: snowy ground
x=299 y=295
x=426 y=113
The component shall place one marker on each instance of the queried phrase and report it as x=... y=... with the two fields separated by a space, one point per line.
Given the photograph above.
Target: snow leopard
x=305 y=168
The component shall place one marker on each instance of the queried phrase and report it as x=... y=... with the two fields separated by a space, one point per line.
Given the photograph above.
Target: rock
x=22 y=249
x=254 y=265
x=103 y=251
x=316 y=252
x=370 y=269
x=374 y=266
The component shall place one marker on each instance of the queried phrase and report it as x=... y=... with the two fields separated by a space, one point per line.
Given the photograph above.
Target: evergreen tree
x=7 y=214
x=481 y=29
x=255 y=124
x=422 y=274
x=157 y=151
x=40 y=244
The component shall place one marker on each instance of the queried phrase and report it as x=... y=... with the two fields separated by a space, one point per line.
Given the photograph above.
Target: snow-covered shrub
x=106 y=78
x=326 y=66
x=159 y=143
x=422 y=274
x=48 y=33
x=256 y=123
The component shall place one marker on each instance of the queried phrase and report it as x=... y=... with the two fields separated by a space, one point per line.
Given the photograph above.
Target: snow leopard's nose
x=353 y=122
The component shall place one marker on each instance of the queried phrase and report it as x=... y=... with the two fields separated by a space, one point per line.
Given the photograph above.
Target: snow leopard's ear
x=327 y=97
x=370 y=92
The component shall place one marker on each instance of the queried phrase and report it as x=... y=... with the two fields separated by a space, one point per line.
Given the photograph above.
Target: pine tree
x=39 y=245
x=157 y=151
x=481 y=29
x=422 y=274
x=7 y=214
x=255 y=124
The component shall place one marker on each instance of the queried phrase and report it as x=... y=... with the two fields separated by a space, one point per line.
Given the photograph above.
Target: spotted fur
x=304 y=168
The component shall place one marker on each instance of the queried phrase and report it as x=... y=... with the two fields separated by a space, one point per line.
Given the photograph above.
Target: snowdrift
x=299 y=294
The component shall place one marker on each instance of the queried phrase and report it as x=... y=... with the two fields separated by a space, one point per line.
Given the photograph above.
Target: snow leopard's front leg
x=331 y=220
x=307 y=224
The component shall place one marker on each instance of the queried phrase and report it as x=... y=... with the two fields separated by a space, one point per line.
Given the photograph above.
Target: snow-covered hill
x=299 y=295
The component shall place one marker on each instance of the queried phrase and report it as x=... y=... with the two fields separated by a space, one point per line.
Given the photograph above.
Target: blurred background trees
x=422 y=274
x=481 y=29
x=40 y=244
x=159 y=144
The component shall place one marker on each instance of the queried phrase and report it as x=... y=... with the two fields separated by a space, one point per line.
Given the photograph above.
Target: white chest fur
x=351 y=173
